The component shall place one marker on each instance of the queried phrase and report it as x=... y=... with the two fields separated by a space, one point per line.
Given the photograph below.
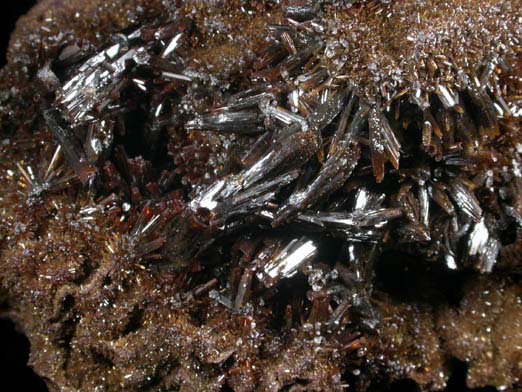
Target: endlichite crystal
x=264 y=195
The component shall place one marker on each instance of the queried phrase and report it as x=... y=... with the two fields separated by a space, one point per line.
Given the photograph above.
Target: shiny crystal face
x=265 y=160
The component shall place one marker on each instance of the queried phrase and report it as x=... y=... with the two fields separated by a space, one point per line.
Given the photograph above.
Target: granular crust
x=99 y=317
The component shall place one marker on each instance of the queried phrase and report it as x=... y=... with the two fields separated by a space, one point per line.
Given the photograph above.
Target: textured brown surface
x=99 y=319
x=428 y=42
x=485 y=332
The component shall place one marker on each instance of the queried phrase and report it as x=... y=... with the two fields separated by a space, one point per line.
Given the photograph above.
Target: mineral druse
x=249 y=195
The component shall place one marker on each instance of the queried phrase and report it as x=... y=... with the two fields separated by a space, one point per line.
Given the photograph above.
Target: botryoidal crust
x=264 y=195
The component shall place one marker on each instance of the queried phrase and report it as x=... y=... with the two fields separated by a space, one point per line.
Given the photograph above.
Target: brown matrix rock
x=264 y=195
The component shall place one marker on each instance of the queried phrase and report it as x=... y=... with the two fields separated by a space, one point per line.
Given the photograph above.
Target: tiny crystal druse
x=264 y=195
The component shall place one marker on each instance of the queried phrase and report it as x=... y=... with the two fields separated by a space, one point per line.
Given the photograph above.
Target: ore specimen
x=264 y=195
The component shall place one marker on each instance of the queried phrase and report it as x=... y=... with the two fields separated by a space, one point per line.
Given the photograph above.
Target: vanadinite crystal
x=249 y=195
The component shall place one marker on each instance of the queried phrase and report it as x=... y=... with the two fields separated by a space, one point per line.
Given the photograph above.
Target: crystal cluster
x=257 y=195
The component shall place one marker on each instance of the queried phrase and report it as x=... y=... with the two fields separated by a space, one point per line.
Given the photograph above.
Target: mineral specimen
x=264 y=195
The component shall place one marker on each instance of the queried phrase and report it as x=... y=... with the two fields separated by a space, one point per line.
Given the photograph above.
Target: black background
x=10 y=10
